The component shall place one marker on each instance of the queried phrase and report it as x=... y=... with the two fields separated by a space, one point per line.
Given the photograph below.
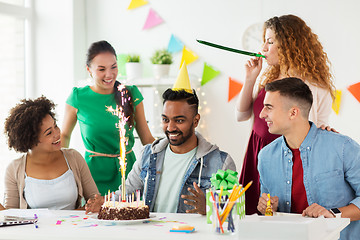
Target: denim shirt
x=146 y=171
x=331 y=164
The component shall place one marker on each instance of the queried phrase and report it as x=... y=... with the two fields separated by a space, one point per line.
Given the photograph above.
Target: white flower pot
x=161 y=70
x=133 y=70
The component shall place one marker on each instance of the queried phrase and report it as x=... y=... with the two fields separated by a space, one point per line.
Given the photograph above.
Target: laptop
x=14 y=220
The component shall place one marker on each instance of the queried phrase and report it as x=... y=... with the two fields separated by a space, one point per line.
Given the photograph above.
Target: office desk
x=62 y=224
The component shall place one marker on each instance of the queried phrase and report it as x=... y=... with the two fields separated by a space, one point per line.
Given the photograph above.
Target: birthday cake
x=114 y=210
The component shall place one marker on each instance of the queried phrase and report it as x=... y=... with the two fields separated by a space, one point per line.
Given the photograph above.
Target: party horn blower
x=230 y=49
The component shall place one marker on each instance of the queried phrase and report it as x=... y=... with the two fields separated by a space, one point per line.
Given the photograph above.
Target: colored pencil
x=216 y=211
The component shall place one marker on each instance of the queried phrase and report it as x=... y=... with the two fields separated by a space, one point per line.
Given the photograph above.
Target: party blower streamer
x=230 y=49
x=123 y=141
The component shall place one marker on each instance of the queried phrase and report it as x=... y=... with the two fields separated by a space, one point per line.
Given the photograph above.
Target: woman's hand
x=328 y=128
x=94 y=204
x=245 y=100
x=253 y=68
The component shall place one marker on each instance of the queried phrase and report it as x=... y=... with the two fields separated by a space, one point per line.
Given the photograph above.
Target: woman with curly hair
x=46 y=176
x=291 y=50
x=87 y=105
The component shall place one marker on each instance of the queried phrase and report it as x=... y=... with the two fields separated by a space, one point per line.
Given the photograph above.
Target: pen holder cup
x=225 y=218
x=238 y=208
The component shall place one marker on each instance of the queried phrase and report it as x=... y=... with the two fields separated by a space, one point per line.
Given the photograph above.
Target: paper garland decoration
x=209 y=73
x=355 y=90
x=188 y=56
x=234 y=88
x=153 y=19
x=227 y=179
x=121 y=61
x=175 y=45
x=183 y=81
x=337 y=101
x=137 y=3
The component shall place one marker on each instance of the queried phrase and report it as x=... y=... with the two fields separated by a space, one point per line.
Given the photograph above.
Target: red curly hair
x=300 y=50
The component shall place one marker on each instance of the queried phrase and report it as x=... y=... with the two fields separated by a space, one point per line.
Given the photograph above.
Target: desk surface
x=61 y=224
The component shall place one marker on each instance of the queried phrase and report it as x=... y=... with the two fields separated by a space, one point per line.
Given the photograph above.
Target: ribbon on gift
x=227 y=179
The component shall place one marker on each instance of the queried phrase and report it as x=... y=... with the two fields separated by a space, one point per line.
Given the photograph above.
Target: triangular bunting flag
x=136 y=3
x=153 y=19
x=208 y=74
x=337 y=101
x=355 y=90
x=175 y=45
x=188 y=56
x=183 y=81
x=234 y=88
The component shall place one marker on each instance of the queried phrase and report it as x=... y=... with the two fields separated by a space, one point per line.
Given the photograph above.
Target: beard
x=181 y=138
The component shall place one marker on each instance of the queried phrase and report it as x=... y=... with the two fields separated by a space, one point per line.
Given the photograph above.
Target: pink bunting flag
x=153 y=19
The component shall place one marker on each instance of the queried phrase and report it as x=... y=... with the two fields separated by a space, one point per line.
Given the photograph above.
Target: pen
x=230 y=49
x=35 y=222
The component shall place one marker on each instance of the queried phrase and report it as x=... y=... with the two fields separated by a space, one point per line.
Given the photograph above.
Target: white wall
x=60 y=48
x=54 y=71
x=335 y=22
x=66 y=28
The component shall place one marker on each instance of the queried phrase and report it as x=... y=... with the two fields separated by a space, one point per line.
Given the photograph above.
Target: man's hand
x=263 y=200
x=198 y=200
x=315 y=210
x=94 y=204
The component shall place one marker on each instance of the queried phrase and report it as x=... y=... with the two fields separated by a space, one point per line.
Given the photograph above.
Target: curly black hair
x=23 y=124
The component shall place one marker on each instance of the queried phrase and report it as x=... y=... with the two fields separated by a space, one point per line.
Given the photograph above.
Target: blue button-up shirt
x=331 y=164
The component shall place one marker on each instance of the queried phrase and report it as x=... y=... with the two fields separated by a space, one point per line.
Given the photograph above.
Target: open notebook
x=14 y=220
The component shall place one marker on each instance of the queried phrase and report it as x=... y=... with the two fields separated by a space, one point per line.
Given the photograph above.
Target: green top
x=99 y=134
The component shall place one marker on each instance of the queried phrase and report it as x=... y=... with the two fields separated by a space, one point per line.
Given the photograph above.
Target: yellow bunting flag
x=183 y=81
x=209 y=74
x=137 y=3
x=337 y=101
x=355 y=90
x=188 y=56
x=234 y=88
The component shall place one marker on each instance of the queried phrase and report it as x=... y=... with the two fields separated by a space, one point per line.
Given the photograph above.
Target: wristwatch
x=336 y=212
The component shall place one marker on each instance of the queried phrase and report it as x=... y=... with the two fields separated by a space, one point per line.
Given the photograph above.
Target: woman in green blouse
x=98 y=126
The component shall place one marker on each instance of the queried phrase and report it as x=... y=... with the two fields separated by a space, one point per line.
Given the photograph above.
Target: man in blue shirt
x=328 y=163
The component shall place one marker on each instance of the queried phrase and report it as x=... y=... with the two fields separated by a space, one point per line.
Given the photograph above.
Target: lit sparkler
x=123 y=141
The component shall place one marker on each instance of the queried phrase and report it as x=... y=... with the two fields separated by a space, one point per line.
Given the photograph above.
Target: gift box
x=224 y=180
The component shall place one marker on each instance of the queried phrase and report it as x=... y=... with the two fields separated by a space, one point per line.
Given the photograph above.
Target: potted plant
x=133 y=67
x=161 y=61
